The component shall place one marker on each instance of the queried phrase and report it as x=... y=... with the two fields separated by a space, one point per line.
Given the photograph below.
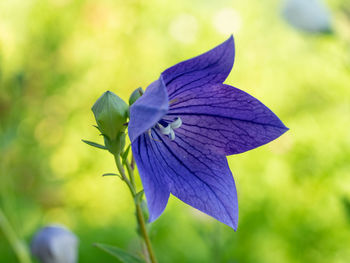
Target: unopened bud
x=137 y=93
x=55 y=244
x=111 y=114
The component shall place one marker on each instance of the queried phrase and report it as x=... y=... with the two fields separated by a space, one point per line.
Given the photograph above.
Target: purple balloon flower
x=186 y=123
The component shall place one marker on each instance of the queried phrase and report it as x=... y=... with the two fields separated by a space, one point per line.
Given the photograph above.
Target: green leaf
x=120 y=254
x=94 y=144
x=125 y=154
x=111 y=174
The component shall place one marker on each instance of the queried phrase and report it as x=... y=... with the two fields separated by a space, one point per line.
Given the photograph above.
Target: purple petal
x=211 y=67
x=152 y=175
x=196 y=176
x=225 y=119
x=148 y=109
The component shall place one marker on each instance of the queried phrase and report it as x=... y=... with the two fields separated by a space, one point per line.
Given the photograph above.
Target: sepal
x=117 y=145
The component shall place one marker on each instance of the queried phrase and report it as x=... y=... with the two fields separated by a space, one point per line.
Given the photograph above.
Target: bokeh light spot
x=184 y=28
x=227 y=21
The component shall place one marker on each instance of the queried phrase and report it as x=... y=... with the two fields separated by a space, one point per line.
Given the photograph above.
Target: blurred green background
x=58 y=56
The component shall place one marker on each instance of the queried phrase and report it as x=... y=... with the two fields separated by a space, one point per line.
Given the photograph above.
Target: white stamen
x=176 y=123
x=169 y=129
x=172 y=135
x=164 y=130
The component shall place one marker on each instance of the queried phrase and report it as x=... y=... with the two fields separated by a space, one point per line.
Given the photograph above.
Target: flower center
x=168 y=128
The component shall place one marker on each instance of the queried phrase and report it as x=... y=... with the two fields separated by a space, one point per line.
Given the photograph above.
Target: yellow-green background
x=57 y=57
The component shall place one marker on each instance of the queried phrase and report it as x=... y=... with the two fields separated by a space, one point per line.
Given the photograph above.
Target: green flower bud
x=111 y=114
x=137 y=93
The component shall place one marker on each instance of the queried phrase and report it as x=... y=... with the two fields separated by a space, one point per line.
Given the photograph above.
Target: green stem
x=122 y=173
x=131 y=173
x=143 y=229
x=139 y=215
x=18 y=245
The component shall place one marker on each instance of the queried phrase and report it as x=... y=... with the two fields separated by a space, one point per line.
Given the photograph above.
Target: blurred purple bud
x=308 y=15
x=55 y=244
